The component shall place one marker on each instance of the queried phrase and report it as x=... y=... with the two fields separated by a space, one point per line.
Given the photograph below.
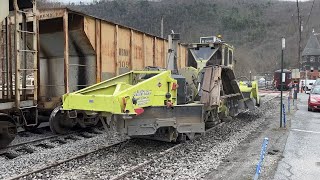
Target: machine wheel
x=59 y=123
x=181 y=138
x=8 y=130
x=259 y=103
x=309 y=109
x=211 y=119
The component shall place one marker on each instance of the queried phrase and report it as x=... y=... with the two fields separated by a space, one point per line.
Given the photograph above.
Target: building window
x=318 y=58
x=312 y=59
x=304 y=59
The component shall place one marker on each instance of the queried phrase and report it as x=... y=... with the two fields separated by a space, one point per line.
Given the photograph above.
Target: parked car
x=316 y=83
x=314 y=99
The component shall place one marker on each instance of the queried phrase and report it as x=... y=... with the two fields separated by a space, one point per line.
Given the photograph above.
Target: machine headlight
x=313 y=100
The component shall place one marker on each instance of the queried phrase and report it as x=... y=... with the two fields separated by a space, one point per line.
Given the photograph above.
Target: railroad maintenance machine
x=164 y=104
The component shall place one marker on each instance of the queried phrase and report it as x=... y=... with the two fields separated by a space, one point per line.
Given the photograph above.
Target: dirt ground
x=241 y=163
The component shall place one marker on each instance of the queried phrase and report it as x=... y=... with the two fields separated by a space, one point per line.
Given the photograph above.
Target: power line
x=310 y=13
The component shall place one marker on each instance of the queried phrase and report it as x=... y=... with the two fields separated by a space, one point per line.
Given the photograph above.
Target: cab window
x=230 y=57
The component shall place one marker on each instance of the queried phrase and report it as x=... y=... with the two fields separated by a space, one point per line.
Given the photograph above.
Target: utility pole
x=300 y=29
x=282 y=78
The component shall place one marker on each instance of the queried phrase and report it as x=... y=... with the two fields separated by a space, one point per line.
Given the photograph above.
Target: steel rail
x=160 y=155
x=40 y=139
x=163 y=153
x=32 y=141
x=66 y=160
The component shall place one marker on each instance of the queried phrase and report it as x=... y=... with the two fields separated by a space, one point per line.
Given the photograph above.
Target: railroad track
x=131 y=167
x=49 y=142
x=66 y=160
x=163 y=153
x=160 y=155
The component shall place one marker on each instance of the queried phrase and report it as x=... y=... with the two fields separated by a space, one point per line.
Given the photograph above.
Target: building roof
x=313 y=47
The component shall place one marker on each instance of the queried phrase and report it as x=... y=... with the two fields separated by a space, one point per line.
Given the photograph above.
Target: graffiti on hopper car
x=123 y=52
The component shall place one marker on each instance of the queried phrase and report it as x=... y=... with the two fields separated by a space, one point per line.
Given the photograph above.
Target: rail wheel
x=59 y=122
x=8 y=130
x=210 y=119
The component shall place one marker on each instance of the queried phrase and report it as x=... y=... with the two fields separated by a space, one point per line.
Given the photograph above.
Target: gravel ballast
x=196 y=159
x=193 y=160
x=45 y=156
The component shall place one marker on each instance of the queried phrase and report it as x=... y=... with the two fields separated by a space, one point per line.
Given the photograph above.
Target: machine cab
x=210 y=51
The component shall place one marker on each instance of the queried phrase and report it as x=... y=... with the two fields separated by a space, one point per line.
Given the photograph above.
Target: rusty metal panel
x=165 y=53
x=144 y=51
x=107 y=50
x=149 y=50
x=159 y=53
x=210 y=94
x=137 y=61
x=66 y=51
x=50 y=13
x=98 y=49
x=124 y=50
x=90 y=30
x=116 y=49
x=183 y=56
x=154 y=48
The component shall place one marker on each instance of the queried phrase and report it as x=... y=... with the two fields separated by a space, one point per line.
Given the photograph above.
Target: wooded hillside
x=254 y=27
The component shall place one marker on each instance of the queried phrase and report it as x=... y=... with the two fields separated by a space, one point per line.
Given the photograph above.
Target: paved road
x=302 y=152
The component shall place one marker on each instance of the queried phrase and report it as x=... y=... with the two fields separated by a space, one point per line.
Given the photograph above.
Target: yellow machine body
x=125 y=93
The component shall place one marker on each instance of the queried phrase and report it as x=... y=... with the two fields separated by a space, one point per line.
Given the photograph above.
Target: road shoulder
x=241 y=163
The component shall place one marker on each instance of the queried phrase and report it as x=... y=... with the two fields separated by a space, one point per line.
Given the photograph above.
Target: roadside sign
x=283 y=77
x=295 y=73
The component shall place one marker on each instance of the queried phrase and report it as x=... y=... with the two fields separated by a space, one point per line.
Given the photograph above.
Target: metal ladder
x=21 y=51
x=3 y=44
